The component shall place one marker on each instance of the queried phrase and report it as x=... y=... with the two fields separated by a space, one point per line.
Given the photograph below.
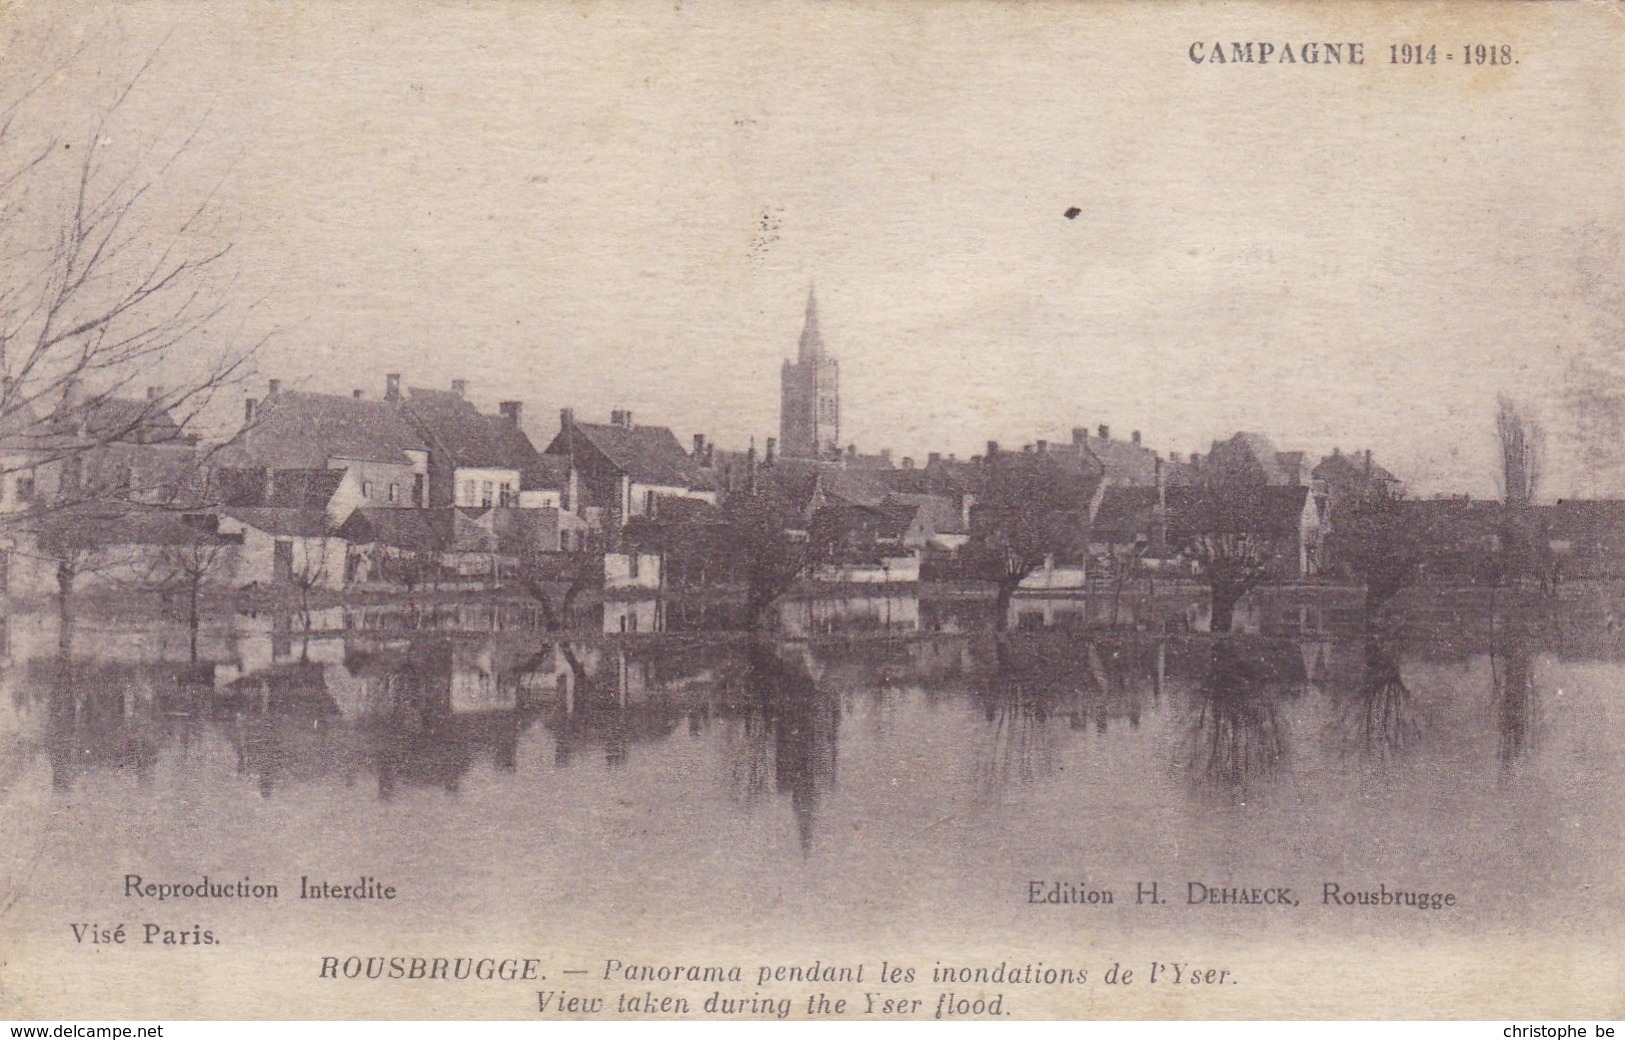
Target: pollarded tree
x=1381 y=540
x=1031 y=509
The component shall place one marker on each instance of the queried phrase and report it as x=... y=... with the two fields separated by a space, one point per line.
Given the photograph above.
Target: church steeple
x=810 y=395
x=812 y=343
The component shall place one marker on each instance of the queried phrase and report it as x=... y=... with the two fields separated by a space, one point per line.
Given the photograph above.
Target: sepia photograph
x=849 y=512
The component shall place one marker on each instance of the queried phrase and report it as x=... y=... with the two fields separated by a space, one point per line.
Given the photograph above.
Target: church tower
x=810 y=396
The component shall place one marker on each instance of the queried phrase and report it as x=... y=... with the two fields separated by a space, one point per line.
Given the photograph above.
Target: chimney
x=567 y=418
x=248 y=411
x=851 y=451
x=1135 y=438
x=1336 y=451
x=934 y=458
x=908 y=463
x=459 y=387
x=511 y=411
x=992 y=448
x=1368 y=462
x=1043 y=447
x=154 y=392
x=1105 y=432
x=1173 y=456
x=772 y=449
x=273 y=388
x=1080 y=434
x=699 y=445
x=885 y=455
x=392 y=387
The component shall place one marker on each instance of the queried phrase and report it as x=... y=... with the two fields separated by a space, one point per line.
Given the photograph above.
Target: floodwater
x=880 y=774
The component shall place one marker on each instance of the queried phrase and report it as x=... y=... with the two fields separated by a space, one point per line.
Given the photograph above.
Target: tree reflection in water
x=611 y=706
x=784 y=715
x=1378 y=719
x=1017 y=747
x=1040 y=678
x=1236 y=737
x=1517 y=700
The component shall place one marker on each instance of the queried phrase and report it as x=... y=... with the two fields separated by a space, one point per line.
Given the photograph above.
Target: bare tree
x=114 y=298
x=1522 y=456
x=184 y=568
x=1032 y=510
x=1232 y=564
x=1382 y=540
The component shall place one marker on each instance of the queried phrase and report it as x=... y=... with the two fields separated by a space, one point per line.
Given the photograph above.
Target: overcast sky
x=622 y=205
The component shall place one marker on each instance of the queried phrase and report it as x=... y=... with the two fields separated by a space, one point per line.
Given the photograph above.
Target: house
x=125 y=546
x=933 y=521
x=1338 y=479
x=632 y=567
x=483 y=461
x=1128 y=522
x=449 y=542
x=1036 y=502
x=548 y=482
x=1461 y=538
x=1121 y=463
x=370 y=438
x=128 y=448
x=285 y=547
x=623 y=470
x=1586 y=538
x=1251 y=458
x=335 y=492
x=31 y=456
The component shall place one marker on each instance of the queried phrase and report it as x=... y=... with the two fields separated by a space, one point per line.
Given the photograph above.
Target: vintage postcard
x=836 y=511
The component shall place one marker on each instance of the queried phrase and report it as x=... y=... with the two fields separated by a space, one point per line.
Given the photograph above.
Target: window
x=505 y=496
x=366 y=489
x=649 y=503
x=469 y=491
x=394 y=493
x=486 y=490
x=632 y=565
x=25 y=487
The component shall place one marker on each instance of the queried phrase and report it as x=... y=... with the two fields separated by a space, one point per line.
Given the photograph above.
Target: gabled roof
x=279 y=489
x=416 y=530
x=1456 y=517
x=943 y=511
x=1275 y=511
x=468 y=437
x=1124 y=515
x=889 y=522
x=1124 y=462
x=1259 y=449
x=120 y=419
x=94 y=525
x=293 y=430
x=647 y=454
x=1338 y=468
x=545 y=473
x=1598 y=523
x=288 y=523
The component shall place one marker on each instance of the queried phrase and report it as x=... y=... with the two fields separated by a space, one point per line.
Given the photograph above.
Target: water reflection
x=1517 y=701
x=387 y=702
x=1236 y=735
x=1378 y=717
